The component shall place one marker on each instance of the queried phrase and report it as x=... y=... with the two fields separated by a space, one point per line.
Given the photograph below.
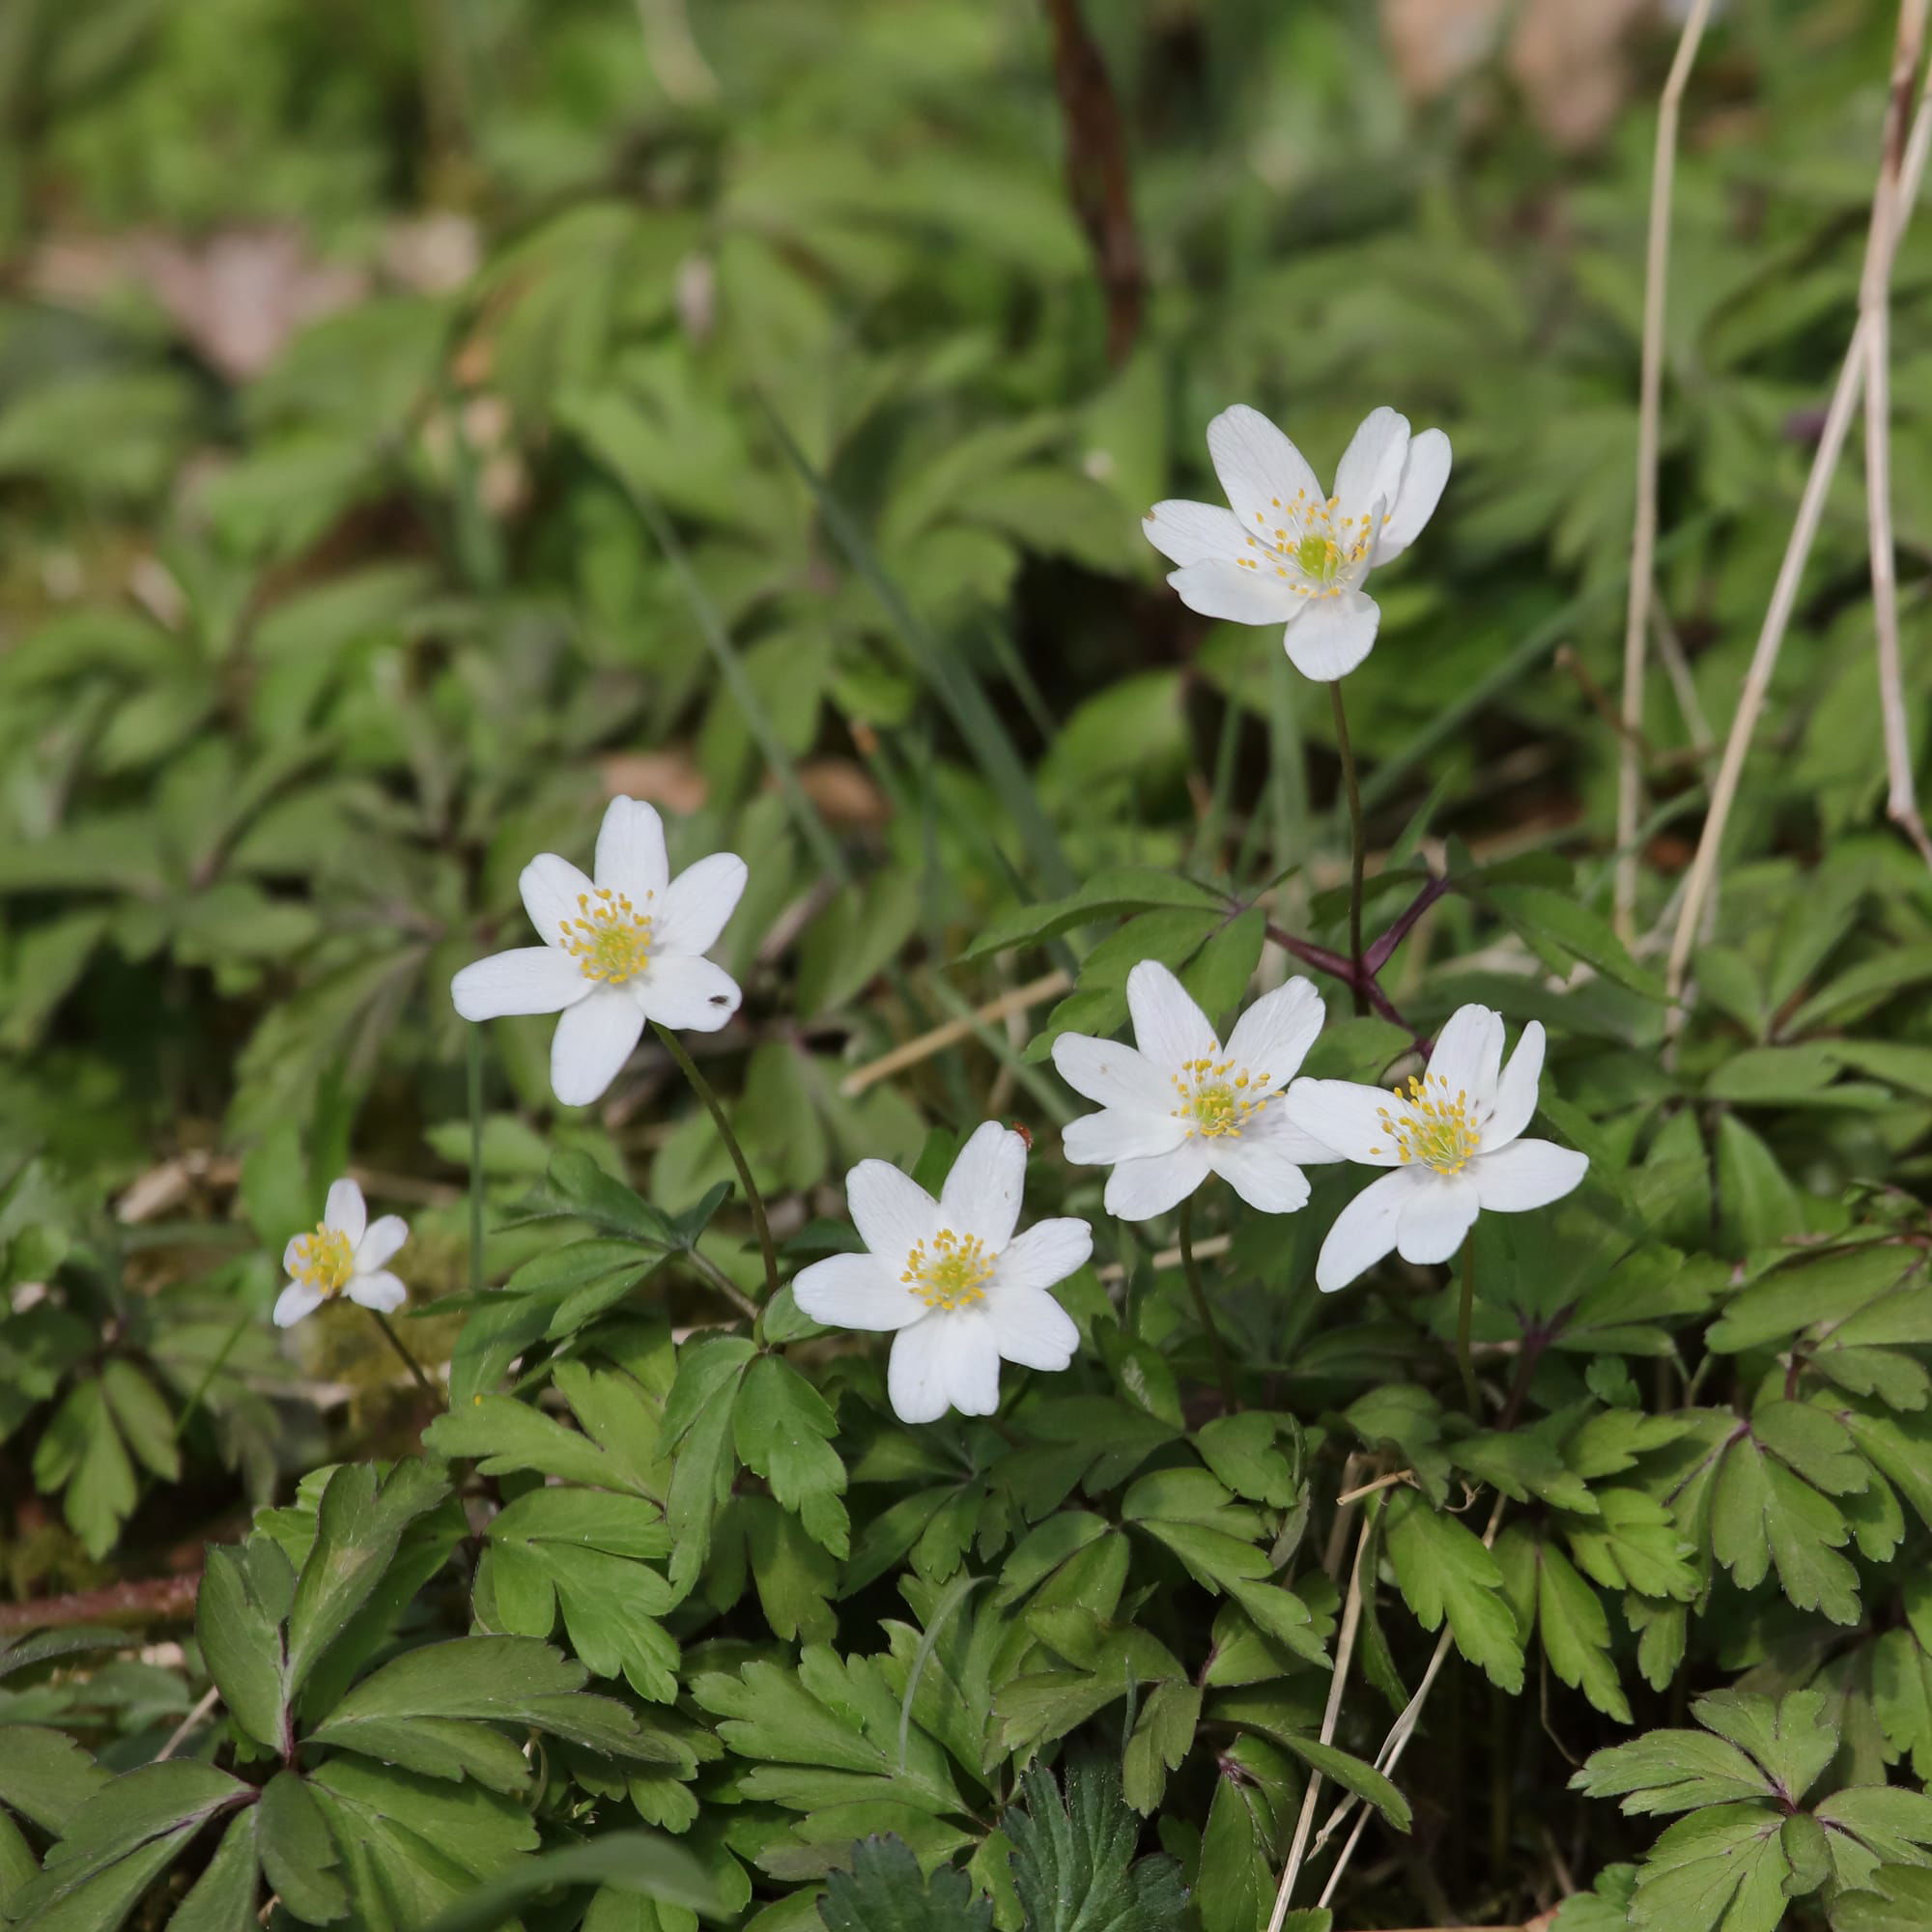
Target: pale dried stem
x=1048 y=986
x=1644 y=532
x=210 y=1697
x=1875 y=299
x=1344 y=1650
x=1396 y=1743
x=1784 y=595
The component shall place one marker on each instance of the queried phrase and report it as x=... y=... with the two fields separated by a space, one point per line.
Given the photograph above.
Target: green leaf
x=298 y=1860
x=782 y=1430
x=242 y=1644
x=507 y=1435
x=1351 y=1774
x=1075 y=1867
x=1443 y=1570
x=44 y=1776
x=222 y=1899
x=1561 y=929
x=1721 y=1866
x=1164 y=1734
x=885 y=1892
x=639 y=1863
x=358 y=1525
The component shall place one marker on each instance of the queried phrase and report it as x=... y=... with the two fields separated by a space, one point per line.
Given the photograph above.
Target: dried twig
x=1397 y=1741
x=210 y=1697
x=1344 y=1650
x=1784 y=593
x=1875 y=300
x=1643 y=533
x=1048 y=986
x=151 y=1601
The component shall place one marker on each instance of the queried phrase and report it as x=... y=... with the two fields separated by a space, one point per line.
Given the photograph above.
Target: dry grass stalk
x=1845 y=399
x=1650 y=411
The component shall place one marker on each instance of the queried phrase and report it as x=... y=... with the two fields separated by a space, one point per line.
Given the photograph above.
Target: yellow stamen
x=610 y=938
x=1429 y=1126
x=323 y=1260
x=953 y=1275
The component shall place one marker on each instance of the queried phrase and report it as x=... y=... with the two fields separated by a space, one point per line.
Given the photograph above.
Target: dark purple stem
x=1362 y=978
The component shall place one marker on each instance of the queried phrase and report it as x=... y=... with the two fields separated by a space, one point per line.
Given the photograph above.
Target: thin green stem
x=754 y=1200
x=1359 y=850
x=1224 y=1368
x=1465 y=1316
x=243 y=1323
x=428 y=1388
x=475 y=1160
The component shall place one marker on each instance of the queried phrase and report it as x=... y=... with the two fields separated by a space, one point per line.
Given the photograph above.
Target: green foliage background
x=729 y=420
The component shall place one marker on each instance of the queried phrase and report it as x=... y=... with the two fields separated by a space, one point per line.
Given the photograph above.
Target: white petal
x=1469 y=1056
x=915 y=1376
x=386 y=1235
x=346 y=1211
x=1258 y=468
x=1371 y=467
x=1343 y=1115
x=631 y=851
x=981 y=1195
x=295 y=1301
x=552 y=888
x=891 y=1211
x=1185 y=533
x=1525 y=1174
x=1439 y=1212
x=1168 y=1025
x=1120 y=1133
x=1047 y=1252
x=971 y=1360
x=1516 y=1091
x=1261 y=1171
x=1331 y=635
x=693 y=995
x=1236 y=596
x=856 y=1292
x=1137 y=1190
x=1423 y=477
x=699 y=902
x=1035 y=1331
x=591 y=1043
x=1113 y=1074
x=530 y=980
x=1272 y=1038
x=379 y=1290
x=1364 y=1231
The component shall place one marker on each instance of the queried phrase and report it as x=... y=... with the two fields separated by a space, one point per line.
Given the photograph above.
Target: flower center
x=1319 y=557
x=1317 y=552
x=1214 y=1105
x=610 y=938
x=325 y=1260
x=1432 y=1126
x=953 y=1272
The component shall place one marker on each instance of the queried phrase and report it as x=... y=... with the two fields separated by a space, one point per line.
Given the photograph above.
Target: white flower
x=617 y=951
x=1451 y=1138
x=1184 y=1107
x=958 y=1287
x=1288 y=555
x=343 y=1255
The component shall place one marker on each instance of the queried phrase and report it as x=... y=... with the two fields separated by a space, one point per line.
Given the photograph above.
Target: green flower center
x=952 y=1274
x=610 y=938
x=1319 y=557
x=323 y=1260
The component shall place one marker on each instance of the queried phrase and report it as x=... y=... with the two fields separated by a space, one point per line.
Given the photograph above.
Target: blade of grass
x=952 y=681
x=1541 y=643
x=717 y=637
